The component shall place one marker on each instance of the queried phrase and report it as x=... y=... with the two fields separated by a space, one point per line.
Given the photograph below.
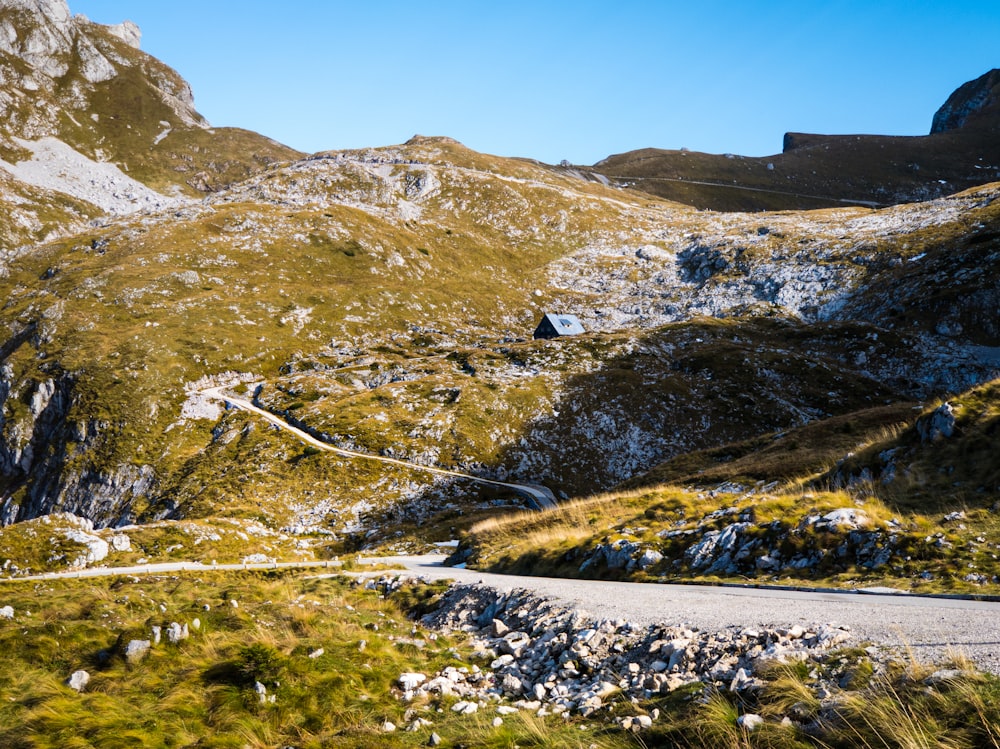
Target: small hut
x=557 y=326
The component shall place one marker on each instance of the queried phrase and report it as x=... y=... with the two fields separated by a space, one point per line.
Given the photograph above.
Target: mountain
x=383 y=300
x=83 y=94
x=816 y=171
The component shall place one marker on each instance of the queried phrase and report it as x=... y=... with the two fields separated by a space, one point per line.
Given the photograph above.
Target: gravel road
x=929 y=627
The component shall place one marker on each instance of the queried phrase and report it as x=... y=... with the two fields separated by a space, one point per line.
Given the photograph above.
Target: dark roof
x=558 y=325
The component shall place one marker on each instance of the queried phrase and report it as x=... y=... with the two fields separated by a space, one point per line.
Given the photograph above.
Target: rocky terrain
x=382 y=299
x=783 y=398
x=548 y=659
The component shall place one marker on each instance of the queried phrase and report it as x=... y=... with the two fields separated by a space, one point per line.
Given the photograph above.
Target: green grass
x=270 y=628
x=201 y=692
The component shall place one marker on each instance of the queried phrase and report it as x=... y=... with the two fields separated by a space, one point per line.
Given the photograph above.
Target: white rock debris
x=56 y=166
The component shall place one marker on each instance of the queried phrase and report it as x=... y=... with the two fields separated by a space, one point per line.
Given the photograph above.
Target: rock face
x=45 y=35
x=971 y=104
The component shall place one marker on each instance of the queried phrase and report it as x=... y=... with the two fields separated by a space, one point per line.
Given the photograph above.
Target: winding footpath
x=540 y=497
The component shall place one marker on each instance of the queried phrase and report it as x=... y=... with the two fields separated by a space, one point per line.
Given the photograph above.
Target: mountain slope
x=816 y=171
x=376 y=296
x=79 y=91
x=382 y=299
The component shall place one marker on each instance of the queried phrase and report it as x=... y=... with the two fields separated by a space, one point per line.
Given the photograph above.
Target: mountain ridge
x=818 y=171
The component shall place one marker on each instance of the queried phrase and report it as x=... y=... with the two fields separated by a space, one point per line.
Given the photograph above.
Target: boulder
x=410 y=681
x=78 y=680
x=649 y=558
x=937 y=425
x=136 y=650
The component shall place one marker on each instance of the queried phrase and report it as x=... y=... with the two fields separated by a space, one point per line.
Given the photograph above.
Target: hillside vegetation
x=383 y=300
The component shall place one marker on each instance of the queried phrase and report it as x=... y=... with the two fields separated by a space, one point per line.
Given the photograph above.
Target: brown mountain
x=818 y=171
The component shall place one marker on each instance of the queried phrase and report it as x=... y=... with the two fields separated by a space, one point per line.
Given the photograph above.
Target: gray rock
x=465 y=707
x=136 y=650
x=78 y=680
x=513 y=643
x=845 y=518
x=410 y=681
x=750 y=721
x=649 y=558
x=176 y=633
x=938 y=425
x=947 y=675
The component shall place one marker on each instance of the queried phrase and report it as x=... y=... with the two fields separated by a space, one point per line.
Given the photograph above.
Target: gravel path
x=929 y=627
x=539 y=495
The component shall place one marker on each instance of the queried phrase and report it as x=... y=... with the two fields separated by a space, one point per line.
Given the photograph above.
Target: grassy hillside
x=916 y=492
x=328 y=653
x=328 y=656
x=814 y=171
x=382 y=298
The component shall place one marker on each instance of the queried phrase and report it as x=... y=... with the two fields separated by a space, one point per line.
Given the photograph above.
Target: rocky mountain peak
x=969 y=103
x=40 y=32
x=47 y=36
x=55 y=11
x=127 y=31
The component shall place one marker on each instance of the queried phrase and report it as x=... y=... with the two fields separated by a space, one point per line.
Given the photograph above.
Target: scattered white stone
x=750 y=721
x=388 y=727
x=317 y=653
x=418 y=725
x=465 y=708
x=78 y=680
x=846 y=518
x=497 y=722
x=136 y=650
x=410 y=681
x=7 y=612
x=177 y=632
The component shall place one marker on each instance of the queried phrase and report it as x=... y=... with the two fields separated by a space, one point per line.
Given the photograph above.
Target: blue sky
x=566 y=80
